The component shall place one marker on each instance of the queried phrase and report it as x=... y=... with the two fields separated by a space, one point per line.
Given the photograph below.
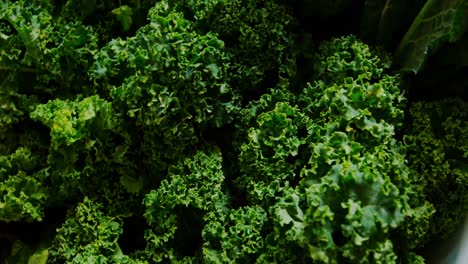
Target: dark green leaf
x=439 y=21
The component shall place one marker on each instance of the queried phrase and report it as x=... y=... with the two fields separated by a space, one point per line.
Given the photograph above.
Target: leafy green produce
x=259 y=38
x=437 y=22
x=438 y=151
x=190 y=131
x=419 y=27
x=332 y=160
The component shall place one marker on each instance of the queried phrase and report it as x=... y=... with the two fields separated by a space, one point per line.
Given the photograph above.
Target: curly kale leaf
x=23 y=253
x=89 y=235
x=270 y=137
x=124 y=16
x=344 y=57
x=22 y=159
x=325 y=164
x=192 y=194
x=110 y=19
x=71 y=121
x=33 y=28
x=169 y=81
x=166 y=74
x=437 y=143
x=258 y=35
x=89 y=150
x=236 y=239
x=23 y=196
x=353 y=92
x=191 y=207
x=344 y=209
x=47 y=47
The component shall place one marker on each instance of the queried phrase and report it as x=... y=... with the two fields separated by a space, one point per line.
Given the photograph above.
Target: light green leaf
x=39 y=257
x=124 y=16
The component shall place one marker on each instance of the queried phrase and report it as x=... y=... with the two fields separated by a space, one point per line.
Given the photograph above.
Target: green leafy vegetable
x=258 y=37
x=438 y=152
x=259 y=131
x=23 y=254
x=439 y=21
x=124 y=15
x=22 y=195
x=330 y=172
x=88 y=236
x=386 y=22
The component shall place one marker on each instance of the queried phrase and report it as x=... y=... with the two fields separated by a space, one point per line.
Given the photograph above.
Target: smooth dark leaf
x=438 y=22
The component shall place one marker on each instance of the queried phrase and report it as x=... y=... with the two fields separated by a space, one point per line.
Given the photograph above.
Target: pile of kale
x=231 y=131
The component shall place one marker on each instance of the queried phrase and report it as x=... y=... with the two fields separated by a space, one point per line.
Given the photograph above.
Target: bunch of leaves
x=237 y=237
x=104 y=106
x=437 y=141
x=270 y=136
x=168 y=80
x=41 y=54
x=88 y=153
x=259 y=36
x=192 y=220
x=47 y=49
x=23 y=196
x=88 y=235
x=354 y=92
x=190 y=196
x=325 y=165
